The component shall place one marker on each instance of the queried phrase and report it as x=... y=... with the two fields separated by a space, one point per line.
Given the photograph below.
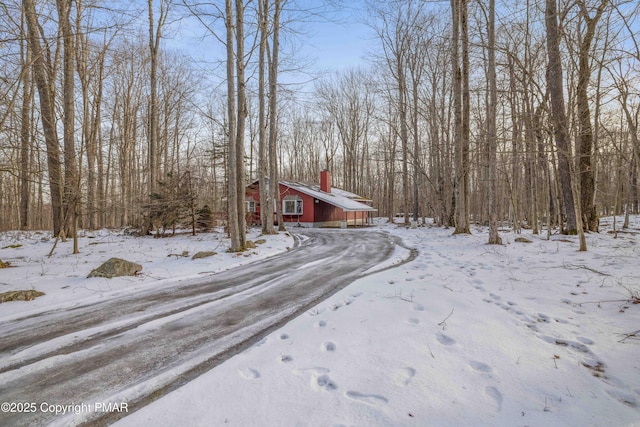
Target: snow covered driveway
x=133 y=348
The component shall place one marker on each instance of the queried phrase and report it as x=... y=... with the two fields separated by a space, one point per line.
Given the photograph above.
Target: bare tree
x=585 y=135
x=155 y=35
x=25 y=132
x=494 y=236
x=71 y=199
x=273 y=117
x=559 y=118
x=232 y=160
x=241 y=121
x=266 y=217
x=45 y=79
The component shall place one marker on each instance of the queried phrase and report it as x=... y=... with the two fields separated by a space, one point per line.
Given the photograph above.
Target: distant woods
x=521 y=114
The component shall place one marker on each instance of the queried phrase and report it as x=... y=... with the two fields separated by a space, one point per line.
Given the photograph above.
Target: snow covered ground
x=523 y=334
x=63 y=276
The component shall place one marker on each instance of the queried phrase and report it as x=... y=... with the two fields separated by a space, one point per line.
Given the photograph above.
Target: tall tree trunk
x=494 y=236
x=273 y=121
x=585 y=136
x=47 y=114
x=153 y=103
x=71 y=199
x=273 y=115
x=25 y=136
x=461 y=120
x=155 y=35
x=232 y=161
x=242 y=115
x=404 y=134
x=558 y=115
x=266 y=219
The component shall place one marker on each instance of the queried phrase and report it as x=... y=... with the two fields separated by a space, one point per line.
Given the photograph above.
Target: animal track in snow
x=249 y=373
x=318 y=378
x=321 y=324
x=368 y=399
x=480 y=366
x=413 y=321
x=417 y=307
x=403 y=376
x=626 y=398
x=328 y=346
x=584 y=340
x=495 y=394
x=445 y=339
x=284 y=337
x=323 y=382
x=543 y=318
x=285 y=358
x=565 y=343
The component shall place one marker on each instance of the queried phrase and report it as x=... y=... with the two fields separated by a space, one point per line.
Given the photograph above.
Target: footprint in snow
x=624 y=397
x=413 y=321
x=249 y=373
x=565 y=343
x=321 y=324
x=494 y=394
x=417 y=307
x=328 y=346
x=445 y=339
x=322 y=382
x=480 y=366
x=403 y=376
x=584 y=340
x=367 y=399
x=284 y=337
x=285 y=358
x=543 y=318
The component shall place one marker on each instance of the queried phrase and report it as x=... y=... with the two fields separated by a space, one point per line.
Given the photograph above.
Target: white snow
x=523 y=334
x=63 y=276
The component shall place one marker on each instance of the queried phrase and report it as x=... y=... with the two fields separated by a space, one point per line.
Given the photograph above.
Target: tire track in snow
x=138 y=347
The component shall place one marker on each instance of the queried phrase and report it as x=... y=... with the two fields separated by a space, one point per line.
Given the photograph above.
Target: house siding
x=315 y=213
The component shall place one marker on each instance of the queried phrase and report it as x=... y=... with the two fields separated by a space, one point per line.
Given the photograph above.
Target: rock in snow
x=116 y=267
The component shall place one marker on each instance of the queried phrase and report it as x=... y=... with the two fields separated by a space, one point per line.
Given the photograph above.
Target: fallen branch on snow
x=446 y=318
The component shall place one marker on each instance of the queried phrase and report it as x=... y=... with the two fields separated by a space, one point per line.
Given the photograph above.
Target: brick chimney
x=325 y=181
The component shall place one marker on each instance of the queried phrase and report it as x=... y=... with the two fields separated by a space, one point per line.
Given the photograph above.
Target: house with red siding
x=314 y=205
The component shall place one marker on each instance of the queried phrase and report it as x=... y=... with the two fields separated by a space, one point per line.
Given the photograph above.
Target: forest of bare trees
x=515 y=114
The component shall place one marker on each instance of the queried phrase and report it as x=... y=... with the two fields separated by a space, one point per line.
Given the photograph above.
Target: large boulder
x=204 y=254
x=116 y=267
x=27 y=295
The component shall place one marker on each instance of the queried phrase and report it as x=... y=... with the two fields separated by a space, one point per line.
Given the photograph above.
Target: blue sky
x=332 y=42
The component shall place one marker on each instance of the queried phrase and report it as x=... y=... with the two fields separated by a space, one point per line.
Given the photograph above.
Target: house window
x=251 y=205
x=292 y=207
